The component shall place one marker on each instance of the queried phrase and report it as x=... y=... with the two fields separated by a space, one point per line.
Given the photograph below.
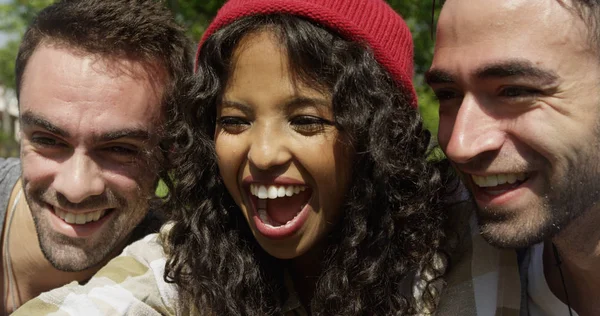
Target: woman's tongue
x=284 y=209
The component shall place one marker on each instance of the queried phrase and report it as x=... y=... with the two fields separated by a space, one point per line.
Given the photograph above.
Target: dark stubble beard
x=577 y=192
x=78 y=254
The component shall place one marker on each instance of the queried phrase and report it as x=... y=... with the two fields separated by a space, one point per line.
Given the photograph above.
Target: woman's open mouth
x=279 y=210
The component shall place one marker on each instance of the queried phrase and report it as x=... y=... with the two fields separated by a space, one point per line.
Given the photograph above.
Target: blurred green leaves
x=195 y=15
x=16 y=14
x=418 y=16
x=14 y=17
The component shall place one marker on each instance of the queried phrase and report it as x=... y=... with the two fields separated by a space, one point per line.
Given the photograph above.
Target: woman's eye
x=232 y=124
x=307 y=124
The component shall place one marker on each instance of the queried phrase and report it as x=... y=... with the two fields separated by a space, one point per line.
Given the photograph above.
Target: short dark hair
x=141 y=30
x=589 y=12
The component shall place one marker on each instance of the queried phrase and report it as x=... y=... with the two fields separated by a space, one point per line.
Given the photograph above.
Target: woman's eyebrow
x=307 y=101
x=247 y=110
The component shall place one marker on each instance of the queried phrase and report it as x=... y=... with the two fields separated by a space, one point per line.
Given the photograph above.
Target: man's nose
x=471 y=131
x=79 y=177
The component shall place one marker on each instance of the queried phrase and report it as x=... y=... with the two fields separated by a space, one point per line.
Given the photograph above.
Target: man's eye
x=307 y=124
x=446 y=94
x=122 y=150
x=232 y=124
x=121 y=153
x=46 y=141
x=517 y=92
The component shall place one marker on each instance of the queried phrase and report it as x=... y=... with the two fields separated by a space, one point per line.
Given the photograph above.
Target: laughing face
x=519 y=113
x=281 y=157
x=87 y=133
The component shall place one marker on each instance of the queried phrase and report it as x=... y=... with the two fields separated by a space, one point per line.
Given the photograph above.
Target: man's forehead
x=476 y=33
x=69 y=88
x=468 y=20
x=112 y=66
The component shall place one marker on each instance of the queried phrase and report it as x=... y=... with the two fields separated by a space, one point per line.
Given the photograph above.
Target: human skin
x=511 y=108
x=271 y=132
x=88 y=130
x=519 y=89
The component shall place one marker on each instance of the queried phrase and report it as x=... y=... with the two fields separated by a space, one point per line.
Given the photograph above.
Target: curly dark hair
x=392 y=227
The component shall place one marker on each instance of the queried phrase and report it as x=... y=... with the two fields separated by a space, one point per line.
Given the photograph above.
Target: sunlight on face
x=88 y=125
x=279 y=153
x=519 y=113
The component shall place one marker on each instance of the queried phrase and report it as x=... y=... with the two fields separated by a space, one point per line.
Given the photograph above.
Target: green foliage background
x=195 y=16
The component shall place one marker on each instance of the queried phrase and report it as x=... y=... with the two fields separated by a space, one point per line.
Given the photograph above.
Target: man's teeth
x=78 y=218
x=498 y=179
x=274 y=191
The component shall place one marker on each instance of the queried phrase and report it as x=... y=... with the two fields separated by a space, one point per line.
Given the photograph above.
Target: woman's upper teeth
x=498 y=179
x=275 y=191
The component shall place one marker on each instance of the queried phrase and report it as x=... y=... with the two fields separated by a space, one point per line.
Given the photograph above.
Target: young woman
x=302 y=184
x=306 y=180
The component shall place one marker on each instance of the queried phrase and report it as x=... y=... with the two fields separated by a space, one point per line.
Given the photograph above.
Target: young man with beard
x=94 y=80
x=518 y=83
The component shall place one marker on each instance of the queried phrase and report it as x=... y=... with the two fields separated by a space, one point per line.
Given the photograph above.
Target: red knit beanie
x=372 y=22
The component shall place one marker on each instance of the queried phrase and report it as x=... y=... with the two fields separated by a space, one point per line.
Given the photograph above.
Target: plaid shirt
x=484 y=281
x=130 y=284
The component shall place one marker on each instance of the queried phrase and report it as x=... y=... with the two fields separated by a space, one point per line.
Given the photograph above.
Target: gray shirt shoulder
x=10 y=171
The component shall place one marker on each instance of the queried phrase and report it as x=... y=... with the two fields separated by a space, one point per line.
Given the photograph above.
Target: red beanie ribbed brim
x=372 y=22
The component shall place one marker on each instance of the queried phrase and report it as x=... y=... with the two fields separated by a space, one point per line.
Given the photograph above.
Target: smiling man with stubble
x=93 y=82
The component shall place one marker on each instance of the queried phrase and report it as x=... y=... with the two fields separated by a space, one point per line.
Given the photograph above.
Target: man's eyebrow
x=433 y=76
x=129 y=133
x=513 y=68
x=30 y=119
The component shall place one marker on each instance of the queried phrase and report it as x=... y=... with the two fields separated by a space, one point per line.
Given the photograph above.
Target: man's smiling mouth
x=496 y=184
x=80 y=218
x=499 y=179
